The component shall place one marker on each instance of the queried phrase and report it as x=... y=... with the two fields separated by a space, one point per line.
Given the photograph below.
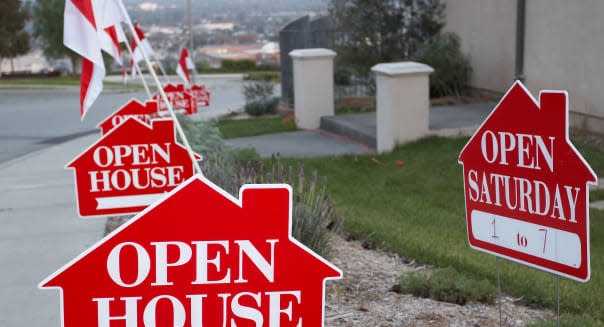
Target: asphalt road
x=33 y=119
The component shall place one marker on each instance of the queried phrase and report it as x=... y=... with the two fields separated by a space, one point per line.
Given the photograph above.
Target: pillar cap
x=402 y=68
x=316 y=53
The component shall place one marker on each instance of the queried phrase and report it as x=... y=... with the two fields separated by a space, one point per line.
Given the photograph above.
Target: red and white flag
x=184 y=64
x=110 y=43
x=137 y=53
x=83 y=30
x=144 y=41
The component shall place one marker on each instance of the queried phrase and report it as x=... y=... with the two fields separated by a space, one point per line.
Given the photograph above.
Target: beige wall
x=488 y=32
x=564 y=44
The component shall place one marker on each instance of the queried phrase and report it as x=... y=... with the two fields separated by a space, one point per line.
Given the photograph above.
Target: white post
x=161 y=91
x=403 y=103
x=313 y=86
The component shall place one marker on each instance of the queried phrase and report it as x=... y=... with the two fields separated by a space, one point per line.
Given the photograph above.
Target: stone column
x=403 y=103
x=313 y=86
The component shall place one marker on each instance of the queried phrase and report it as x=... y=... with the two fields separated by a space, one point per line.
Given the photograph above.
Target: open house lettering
x=135 y=166
x=216 y=262
x=532 y=195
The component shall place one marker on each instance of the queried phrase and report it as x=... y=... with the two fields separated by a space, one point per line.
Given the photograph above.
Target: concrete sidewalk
x=299 y=144
x=40 y=232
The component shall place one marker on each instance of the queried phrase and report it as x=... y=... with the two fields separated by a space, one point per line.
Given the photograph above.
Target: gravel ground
x=363 y=298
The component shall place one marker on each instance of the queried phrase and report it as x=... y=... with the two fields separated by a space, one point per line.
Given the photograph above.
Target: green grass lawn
x=59 y=80
x=596 y=195
x=418 y=211
x=232 y=128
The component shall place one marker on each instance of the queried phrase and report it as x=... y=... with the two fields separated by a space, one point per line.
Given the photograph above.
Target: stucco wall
x=563 y=46
x=488 y=32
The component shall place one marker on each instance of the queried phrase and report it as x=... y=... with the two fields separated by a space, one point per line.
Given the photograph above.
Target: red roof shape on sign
x=134 y=127
x=511 y=112
x=262 y=212
x=132 y=108
x=174 y=87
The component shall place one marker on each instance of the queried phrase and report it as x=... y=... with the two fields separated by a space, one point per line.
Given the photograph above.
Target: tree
x=374 y=31
x=14 y=40
x=48 y=27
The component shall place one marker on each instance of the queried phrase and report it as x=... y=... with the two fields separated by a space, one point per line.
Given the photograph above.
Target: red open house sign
x=134 y=109
x=199 y=258
x=182 y=100
x=202 y=95
x=527 y=186
x=130 y=167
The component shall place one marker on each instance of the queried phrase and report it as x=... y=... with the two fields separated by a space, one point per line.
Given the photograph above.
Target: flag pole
x=161 y=68
x=191 y=40
x=137 y=69
x=195 y=77
x=161 y=90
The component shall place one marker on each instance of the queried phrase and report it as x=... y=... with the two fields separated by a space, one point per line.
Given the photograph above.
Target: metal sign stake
x=557 y=301
x=499 y=291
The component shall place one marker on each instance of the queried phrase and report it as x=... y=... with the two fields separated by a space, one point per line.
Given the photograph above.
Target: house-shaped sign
x=181 y=99
x=201 y=94
x=130 y=167
x=199 y=257
x=526 y=185
x=134 y=109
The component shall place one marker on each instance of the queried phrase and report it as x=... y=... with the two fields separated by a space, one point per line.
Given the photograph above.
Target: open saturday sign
x=129 y=168
x=526 y=186
x=199 y=258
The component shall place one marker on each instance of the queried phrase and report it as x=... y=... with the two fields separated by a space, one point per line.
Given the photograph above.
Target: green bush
x=342 y=75
x=268 y=76
x=447 y=285
x=262 y=106
x=241 y=65
x=452 y=68
x=258 y=98
x=259 y=90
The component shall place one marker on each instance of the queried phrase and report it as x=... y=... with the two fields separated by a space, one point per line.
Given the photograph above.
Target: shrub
x=342 y=75
x=260 y=90
x=262 y=107
x=241 y=65
x=268 y=67
x=447 y=285
x=258 y=98
x=268 y=76
x=452 y=68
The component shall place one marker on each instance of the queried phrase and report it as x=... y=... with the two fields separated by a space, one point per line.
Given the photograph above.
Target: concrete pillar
x=403 y=103
x=313 y=86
